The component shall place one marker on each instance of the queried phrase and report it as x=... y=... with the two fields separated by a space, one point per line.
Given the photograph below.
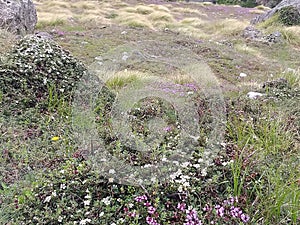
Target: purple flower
x=151 y=221
x=192 y=218
x=181 y=206
x=151 y=209
x=245 y=218
x=220 y=211
x=141 y=198
x=167 y=129
x=131 y=214
x=235 y=211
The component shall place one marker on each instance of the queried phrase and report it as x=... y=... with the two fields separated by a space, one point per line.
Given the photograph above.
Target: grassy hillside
x=161 y=128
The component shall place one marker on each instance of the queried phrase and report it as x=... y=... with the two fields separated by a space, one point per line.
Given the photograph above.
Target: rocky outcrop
x=268 y=3
x=18 y=16
x=253 y=34
x=281 y=5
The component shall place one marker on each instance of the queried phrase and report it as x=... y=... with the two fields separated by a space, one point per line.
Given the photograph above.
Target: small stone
x=124 y=32
x=125 y=56
x=254 y=95
x=98 y=58
x=243 y=75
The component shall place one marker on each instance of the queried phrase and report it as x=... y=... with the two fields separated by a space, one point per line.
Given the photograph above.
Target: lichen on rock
x=18 y=16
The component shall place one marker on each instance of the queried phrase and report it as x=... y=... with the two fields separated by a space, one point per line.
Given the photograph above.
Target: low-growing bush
x=34 y=66
x=289 y=16
x=244 y=3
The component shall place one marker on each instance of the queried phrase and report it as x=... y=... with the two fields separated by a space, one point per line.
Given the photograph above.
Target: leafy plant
x=289 y=16
x=34 y=65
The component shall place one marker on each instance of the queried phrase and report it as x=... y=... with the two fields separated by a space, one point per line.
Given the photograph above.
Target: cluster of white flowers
x=85 y=221
x=88 y=198
x=106 y=200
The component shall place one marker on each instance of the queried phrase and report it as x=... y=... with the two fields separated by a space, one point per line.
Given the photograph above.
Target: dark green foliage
x=244 y=3
x=289 y=16
x=34 y=66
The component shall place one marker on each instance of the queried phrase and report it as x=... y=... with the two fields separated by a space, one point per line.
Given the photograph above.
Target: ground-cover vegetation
x=47 y=176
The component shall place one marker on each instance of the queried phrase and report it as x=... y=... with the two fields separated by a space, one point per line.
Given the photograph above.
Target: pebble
x=254 y=95
x=243 y=75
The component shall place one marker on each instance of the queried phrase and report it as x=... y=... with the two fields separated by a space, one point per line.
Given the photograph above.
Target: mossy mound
x=34 y=67
x=289 y=16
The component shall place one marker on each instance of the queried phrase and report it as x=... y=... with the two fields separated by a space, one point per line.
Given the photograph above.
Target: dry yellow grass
x=262 y=7
x=160 y=8
x=161 y=16
x=291 y=34
x=257 y=11
x=228 y=27
x=192 y=21
x=133 y=20
x=186 y=10
x=140 y=9
x=125 y=77
x=150 y=16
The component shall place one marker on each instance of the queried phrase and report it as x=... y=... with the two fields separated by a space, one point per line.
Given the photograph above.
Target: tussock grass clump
x=161 y=16
x=229 y=27
x=140 y=9
x=50 y=22
x=123 y=78
x=262 y=7
x=160 y=8
x=192 y=21
x=134 y=20
x=257 y=11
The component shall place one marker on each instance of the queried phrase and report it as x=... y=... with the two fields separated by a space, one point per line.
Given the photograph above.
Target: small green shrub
x=243 y=3
x=289 y=16
x=32 y=67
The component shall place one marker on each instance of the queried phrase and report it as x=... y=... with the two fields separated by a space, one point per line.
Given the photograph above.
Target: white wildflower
x=86 y=203
x=196 y=166
x=84 y=222
x=60 y=219
x=112 y=171
x=106 y=200
x=47 y=199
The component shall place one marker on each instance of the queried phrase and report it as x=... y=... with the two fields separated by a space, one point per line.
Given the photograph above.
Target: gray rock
x=44 y=35
x=254 y=95
x=273 y=38
x=283 y=4
x=18 y=16
x=252 y=33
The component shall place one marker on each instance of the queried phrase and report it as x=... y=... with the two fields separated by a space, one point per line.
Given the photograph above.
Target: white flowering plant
x=32 y=67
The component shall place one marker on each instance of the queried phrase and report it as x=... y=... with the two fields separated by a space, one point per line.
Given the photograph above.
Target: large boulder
x=18 y=16
x=286 y=8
